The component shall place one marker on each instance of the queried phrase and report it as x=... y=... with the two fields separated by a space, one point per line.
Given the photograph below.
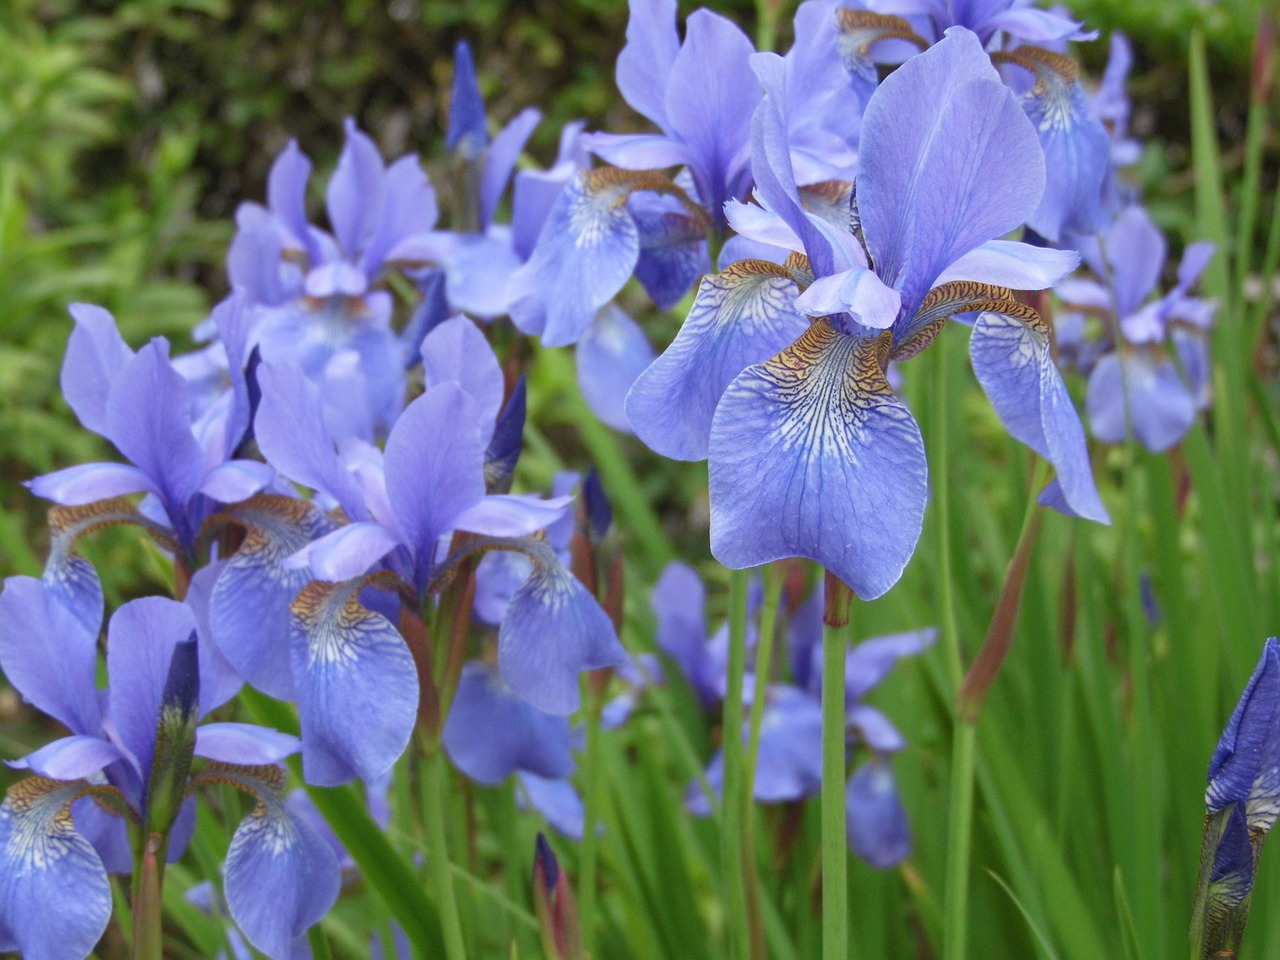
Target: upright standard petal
x=813 y=456
x=645 y=62
x=1012 y=360
x=96 y=353
x=947 y=160
x=287 y=197
x=468 y=132
x=281 y=876
x=355 y=194
x=739 y=317
x=553 y=630
x=356 y=685
x=55 y=899
x=456 y=351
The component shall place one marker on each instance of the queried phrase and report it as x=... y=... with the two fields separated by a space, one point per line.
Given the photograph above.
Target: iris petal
x=1012 y=360
x=813 y=456
x=55 y=899
x=1144 y=390
x=739 y=317
x=356 y=685
x=611 y=355
x=95 y=355
x=877 y=825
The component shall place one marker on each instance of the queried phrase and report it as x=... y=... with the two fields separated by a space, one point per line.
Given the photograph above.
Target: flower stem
x=434 y=772
x=835 y=924
x=147 y=933
x=736 y=789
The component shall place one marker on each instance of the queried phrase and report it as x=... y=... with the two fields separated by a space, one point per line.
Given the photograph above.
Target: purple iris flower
x=55 y=899
x=1245 y=768
x=1139 y=387
x=810 y=452
x=182 y=458
x=316 y=305
x=700 y=94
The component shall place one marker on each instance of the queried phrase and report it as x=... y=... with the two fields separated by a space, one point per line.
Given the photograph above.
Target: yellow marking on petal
x=962 y=296
x=1041 y=62
x=41 y=826
x=616 y=185
x=874 y=27
x=799 y=269
x=334 y=618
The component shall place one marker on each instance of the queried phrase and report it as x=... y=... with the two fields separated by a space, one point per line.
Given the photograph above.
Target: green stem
x=736 y=788
x=591 y=814
x=147 y=932
x=319 y=943
x=835 y=924
x=964 y=735
x=434 y=772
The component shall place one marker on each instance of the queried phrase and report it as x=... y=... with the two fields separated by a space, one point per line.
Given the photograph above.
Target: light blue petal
x=870 y=661
x=1012 y=361
x=557 y=801
x=876 y=821
x=501 y=158
x=96 y=353
x=491 y=732
x=585 y=253
x=554 y=629
x=610 y=356
x=244 y=743
x=645 y=62
x=71 y=758
x=355 y=192
x=55 y=899
x=513 y=514
x=1144 y=390
x=1018 y=266
x=49 y=655
x=813 y=456
x=281 y=877
x=739 y=317
x=219 y=681
x=91 y=482
x=356 y=685
x=457 y=351
x=249 y=607
x=347 y=552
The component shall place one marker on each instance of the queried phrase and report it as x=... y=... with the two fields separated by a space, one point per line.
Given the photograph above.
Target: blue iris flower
x=810 y=452
x=55 y=899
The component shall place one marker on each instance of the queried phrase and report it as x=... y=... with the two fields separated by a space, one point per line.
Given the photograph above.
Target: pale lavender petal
x=346 y=553
x=811 y=455
x=236 y=480
x=479 y=270
x=90 y=482
x=790 y=758
x=645 y=62
x=870 y=661
x=49 y=655
x=356 y=685
x=859 y=292
x=355 y=192
x=71 y=758
x=457 y=351
x=637 y=151
x=96 y=353
x=1135 y=249
x=1018 y=266
x=513 y=514
x=287 y=196
x=244 y=743
x=499 y=575
x=557 y=801
x=1158 y=405
x=408 y=208
x=739 y=317
x=1084 y=293
x=948 y=162
x=874 y=729
x=1038 y=26
x=877 y=827
x=610 y=356
x=219 y=681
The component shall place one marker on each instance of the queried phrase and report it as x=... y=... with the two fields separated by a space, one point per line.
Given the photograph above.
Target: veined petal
x=91 y=482
x=356 y=685
x=585 y=253
x=55 y=899
x=434 y=468
x=456 y=351
x=49 y=654
x=70 y=576
x=1019 y=266
x=291 y=433
x=739 y=317
x=249 y=609
x=611 y=355
x=244 y=743
x=141 y=640
x=645 y=62
x=861 y=31
x=355 y=193
x=813 y=456
x=1012 y=360
x=948 y=161
x=96 y=353
x=553 y=630
x=491 y=732
x=281 y=876
x=1245 y=767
